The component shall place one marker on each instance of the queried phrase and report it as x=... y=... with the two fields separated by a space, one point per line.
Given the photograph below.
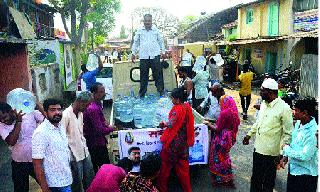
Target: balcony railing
x=44 y=31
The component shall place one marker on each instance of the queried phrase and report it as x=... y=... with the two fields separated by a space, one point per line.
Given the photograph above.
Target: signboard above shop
x=306 y=21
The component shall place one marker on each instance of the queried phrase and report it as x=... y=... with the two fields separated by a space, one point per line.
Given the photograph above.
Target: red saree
x=176 y=139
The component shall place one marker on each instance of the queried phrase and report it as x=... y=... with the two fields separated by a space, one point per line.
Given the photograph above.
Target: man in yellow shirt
x=273 y=130
x=245 y=78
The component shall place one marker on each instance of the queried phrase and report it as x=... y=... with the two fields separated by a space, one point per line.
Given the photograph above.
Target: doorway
x=271 y=62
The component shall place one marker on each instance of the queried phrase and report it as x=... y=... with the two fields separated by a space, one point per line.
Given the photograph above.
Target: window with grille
x=249 y=16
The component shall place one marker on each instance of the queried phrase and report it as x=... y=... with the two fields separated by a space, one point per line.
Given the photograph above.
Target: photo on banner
x=148 y=140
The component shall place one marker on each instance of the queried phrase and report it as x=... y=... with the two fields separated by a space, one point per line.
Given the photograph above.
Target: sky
x=178 y=8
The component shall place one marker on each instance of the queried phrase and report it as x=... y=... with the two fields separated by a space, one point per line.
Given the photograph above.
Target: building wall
x=14 y=68
x=47 y=81
x=259 y=52
x=249 y=30
x=296 y=53
x=198 y=48
x=45 y=46
x=309 y=78
x=286 y=17
x=260 y=24
x=227 y=34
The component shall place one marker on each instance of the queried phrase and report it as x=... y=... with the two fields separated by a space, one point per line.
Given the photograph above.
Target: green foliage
x=102 y=15
x=228 y=49
x=123 y=34
x=232 y=37
x=185 y=23
x=84 y=54
x=99 y=39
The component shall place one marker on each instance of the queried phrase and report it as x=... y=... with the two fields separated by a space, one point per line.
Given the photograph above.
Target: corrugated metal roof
x=25 y=29
x=13 y=40
x=313 y=34
x=251 y=3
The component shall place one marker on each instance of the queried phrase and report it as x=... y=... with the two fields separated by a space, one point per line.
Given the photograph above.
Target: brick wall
x=14 y=68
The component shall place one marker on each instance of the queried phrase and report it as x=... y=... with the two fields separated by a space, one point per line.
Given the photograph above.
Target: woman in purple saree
x=224 y=137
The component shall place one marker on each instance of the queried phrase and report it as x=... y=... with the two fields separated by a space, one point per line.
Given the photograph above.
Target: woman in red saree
x=224 y=137
x=176 y=139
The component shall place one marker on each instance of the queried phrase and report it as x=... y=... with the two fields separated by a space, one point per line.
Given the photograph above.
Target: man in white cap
x=273 y=130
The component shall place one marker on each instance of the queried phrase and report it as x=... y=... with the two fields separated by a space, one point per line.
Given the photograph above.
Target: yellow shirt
x=245 y=80
x=273 y=127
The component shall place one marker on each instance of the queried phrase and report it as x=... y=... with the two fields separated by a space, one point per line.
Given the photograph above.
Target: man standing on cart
x=151 y=47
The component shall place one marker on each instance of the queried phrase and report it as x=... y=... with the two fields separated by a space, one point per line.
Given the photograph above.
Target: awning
x=313 y=34
x=25 y=29
x=246 y=41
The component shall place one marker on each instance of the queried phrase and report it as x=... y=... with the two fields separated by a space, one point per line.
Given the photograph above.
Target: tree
x=165 y=22
x=99 y=39
x=80 y=12
x=123 y=34
x=102 y=15
x=186 y=23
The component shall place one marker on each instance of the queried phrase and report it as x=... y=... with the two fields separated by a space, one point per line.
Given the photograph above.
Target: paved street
x=200 y=178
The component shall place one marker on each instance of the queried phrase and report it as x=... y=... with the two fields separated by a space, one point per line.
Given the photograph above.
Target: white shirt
x=74 y=129
x=183 y=81
x=214 y=109
x=50 y=144
x=214 y=71
x=186 y=59
x=115 y=54
x=149 y=42
x=135 y=169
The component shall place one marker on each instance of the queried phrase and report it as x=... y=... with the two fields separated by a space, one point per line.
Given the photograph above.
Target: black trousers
x=245 y=102
x=20 y=175
x=99 y=156
x=302 y=183
x=145 y=65
x=264 y=173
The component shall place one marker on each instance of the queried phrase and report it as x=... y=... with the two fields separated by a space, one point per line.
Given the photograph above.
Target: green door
x=271 y=63
x=273 y=28
x=247 y=54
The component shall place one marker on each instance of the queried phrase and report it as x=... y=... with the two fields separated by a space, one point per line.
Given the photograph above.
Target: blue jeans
x=82 y=173
x=60 y=189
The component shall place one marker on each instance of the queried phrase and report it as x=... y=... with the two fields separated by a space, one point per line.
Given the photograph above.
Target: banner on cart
x=148 y=140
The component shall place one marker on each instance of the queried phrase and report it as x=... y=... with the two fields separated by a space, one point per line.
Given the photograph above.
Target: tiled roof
x=230 y=25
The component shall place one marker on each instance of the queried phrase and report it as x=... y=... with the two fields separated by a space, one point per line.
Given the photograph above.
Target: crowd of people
x=65 y=150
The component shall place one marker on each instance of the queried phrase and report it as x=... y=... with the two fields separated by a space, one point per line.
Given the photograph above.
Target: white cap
x=270 y=84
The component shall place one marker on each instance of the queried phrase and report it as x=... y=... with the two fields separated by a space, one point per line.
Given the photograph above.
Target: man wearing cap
x=273 y=130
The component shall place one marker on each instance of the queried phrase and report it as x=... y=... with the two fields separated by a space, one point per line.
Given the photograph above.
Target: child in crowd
x=302 y=151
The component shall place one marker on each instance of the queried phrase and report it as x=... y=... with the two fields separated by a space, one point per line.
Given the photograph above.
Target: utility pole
x=92 y=37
